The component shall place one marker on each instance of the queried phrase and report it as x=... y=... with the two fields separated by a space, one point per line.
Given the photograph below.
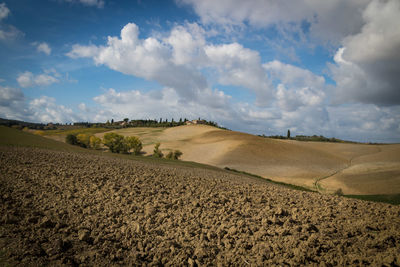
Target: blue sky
x=315 y=67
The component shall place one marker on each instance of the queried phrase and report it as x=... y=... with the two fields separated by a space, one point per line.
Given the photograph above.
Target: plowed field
x=69 y=208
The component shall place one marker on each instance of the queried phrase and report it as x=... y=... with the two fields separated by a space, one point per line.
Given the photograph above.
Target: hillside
x=353 y=168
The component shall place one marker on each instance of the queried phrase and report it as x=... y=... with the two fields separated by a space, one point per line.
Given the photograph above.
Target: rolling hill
x=328 y=167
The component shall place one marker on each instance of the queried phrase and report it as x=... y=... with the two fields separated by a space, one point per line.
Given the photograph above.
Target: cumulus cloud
x=240 y=66
x=149 y=58
x=45 y=109
x=43 y=47
x=28 y=79
x=296 y=87
x=96 y=3
x=367 y=67
x=187 y=43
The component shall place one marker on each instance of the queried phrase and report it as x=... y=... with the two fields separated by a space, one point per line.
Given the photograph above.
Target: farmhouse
x=195 y=122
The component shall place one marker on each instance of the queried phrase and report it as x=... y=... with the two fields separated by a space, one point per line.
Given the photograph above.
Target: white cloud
x=155 y=104
x=297 y=87
x=96 y=3
x=368 y=65
x=28 y=79
x=12 y=103
x=9 y=95
x=9 y=33
x=187 y=43
x=45 y=109
x=328 y=20
x=25 y=79
x=149 y=58
x=240 y=66
x=43 y=47
x=79 y=51
x=4 y=11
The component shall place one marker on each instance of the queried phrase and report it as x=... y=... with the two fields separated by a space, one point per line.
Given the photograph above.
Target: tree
x=132 y=142
x=112 y=121
x=174 y=155
x=170 y=155
x=126 y=120
x=177 y=154
x=71 y=139
x=114 y=142
x=288 y=134
x=157 y=151
x=95 y=142
x=83 y=140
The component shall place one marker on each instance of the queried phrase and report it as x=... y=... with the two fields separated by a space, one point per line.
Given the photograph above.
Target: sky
x=327 y=68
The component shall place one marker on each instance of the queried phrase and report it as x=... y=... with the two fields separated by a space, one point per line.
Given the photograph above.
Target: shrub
x=174 y=155
x=170 y=155
x=95 y=142
x=83 y=140
x=157 y=152
x=177 y=154
x=41 y=133
x=339 y=192
x=132 y=142
x=114 y=142
x=71 y=139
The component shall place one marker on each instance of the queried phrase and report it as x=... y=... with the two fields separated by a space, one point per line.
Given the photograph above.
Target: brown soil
x=64 y=208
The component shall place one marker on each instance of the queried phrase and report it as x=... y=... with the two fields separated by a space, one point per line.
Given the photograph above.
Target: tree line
x=117 y=143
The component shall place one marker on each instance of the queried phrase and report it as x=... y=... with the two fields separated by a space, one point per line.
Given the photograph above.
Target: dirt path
x=319 y=188
x=61 y=208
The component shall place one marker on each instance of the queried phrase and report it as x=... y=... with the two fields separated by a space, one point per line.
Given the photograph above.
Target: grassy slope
x=83 y=130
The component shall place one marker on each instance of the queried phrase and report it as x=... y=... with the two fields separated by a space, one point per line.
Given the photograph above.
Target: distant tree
x=157 y=151
x=95 y=142
x=180 y=120
x=170 y=155
x=160 y=120
x=126 y=120
x=71 y=139
x=132 y=142
x=174 y=155
x=114 y=142
x=288 y=134
x=177 y=154
x=112 y=121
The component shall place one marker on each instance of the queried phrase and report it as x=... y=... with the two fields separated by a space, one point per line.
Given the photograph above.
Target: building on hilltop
x=195 y=122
